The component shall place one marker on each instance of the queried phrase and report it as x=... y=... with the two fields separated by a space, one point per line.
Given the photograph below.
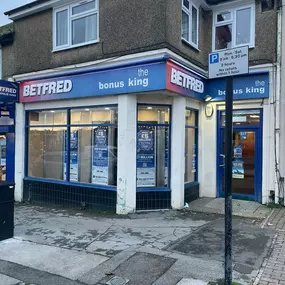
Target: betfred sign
x=230 y=62
x=184 y=81
x=47 y=88
x=141 y=78
x=9 y=91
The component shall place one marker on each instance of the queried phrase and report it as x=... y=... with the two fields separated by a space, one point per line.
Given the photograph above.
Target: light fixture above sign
x=207 y=98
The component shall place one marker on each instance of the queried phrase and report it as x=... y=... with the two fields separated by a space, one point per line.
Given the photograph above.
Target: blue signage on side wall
x=9 y=91
x=251 y=86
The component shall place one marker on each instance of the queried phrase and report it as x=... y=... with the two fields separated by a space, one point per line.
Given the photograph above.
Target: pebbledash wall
x=136 y=135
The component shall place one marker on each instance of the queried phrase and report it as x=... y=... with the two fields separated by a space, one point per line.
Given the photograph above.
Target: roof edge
x=26 y=6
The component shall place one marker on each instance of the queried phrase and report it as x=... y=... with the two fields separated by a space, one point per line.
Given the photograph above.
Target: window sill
x=190 y=45
x=79 y=184
x=249 y=47
x=153 y=189
x=75 y=46
x=190 y=184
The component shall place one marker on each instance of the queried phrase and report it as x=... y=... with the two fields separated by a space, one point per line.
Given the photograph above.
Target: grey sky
x=8 y=5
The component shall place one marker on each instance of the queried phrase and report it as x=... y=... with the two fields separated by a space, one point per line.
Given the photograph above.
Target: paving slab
x=241 y=208
x=250 y=244
x=191 y=282
x=68 y=263
x=6 y=280
x=142 y=268
x=58 y=227
x=31 y=276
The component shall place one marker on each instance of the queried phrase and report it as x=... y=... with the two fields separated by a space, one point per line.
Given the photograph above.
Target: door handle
x=223 y=156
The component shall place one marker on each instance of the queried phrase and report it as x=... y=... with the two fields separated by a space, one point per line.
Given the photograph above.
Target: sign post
x=227 y=64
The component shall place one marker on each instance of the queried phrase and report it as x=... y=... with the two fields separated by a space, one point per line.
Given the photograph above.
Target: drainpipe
x=279 y=106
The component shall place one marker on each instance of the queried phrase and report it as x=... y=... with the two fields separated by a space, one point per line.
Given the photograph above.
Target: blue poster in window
x=166 y=158
x=73 y=156
x=242 y=135
x=100 y=156
x=238 y=169
x=238 y=151
x=146 y=157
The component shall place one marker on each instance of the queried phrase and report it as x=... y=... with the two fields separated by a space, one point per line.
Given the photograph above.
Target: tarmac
x=59 y=246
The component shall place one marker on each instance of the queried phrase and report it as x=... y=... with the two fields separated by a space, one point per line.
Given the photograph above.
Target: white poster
x=100 y=157
x=73 y=173
x=146 y=172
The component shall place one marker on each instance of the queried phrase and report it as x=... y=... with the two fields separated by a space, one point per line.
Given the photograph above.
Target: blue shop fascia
x=71 y=140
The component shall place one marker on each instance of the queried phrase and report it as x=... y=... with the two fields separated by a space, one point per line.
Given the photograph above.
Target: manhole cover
x=117 y=281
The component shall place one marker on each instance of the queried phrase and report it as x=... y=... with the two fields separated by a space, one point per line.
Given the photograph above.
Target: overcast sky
x=8 y=5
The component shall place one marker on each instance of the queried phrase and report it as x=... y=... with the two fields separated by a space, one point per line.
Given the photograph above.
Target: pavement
x=241 y=208
x=57 y=246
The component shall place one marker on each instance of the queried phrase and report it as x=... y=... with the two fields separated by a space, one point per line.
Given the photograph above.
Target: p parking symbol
x=214 y=58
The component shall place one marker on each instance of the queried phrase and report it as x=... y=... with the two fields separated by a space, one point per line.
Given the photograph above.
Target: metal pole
x=228 y=180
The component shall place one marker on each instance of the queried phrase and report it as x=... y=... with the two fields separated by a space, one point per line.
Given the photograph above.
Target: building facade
x=116 y=110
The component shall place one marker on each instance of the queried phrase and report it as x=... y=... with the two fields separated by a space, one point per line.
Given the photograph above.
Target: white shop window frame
x=71 y=17
x=189 y=13
x=232 y=21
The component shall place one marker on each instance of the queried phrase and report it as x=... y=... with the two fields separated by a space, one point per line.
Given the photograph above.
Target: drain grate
x=117 y=281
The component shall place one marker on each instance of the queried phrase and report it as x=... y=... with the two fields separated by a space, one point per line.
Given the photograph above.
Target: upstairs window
x=234 y=28
x=190 y=23
x=76 y=25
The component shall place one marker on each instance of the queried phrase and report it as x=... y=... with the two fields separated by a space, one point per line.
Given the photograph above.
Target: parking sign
x=228 y=62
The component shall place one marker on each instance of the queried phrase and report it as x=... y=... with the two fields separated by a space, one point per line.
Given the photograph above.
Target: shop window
x=234 y=28
x=76 y=25
x=242 y=117
x=153 y=136
x=190 y=23
x=50 y=117
x=191 y=150
x=104 y=115
x=87 y=145
x=46 y=152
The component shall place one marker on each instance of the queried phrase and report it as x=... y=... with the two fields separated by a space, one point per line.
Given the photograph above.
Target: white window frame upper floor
x=73 y=17
x=233 y=21
x=189 y=12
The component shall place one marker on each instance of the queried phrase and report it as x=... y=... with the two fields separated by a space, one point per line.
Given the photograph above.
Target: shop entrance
x=247 y=155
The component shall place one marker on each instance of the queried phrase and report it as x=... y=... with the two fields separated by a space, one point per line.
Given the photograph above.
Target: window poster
x=238 y=167
x=238 y=152
x=65 y=156
x=3 y=151
x=194 y=159
x=166 y=158
x=146 y=157
x=73 y=177
x=73 y=156
x=242 y=135
x=100 y=156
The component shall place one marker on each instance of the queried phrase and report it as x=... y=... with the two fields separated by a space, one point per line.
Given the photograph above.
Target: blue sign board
x=142 y=78
x=9 y=91
x=251 y=86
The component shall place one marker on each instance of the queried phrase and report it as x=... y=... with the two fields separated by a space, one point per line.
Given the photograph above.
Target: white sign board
x=228 y=62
